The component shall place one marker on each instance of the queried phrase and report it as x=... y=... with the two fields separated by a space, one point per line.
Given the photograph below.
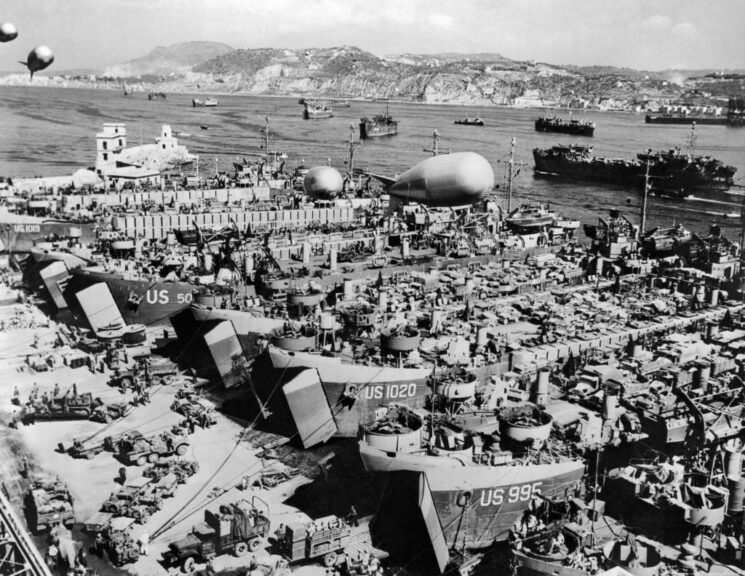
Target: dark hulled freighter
x=672 y=172
x=576 y=127
x=378 y=125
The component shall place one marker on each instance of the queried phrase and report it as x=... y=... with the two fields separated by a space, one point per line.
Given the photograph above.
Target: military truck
x=182 y=469
x=238 y=528
x=66 y=407
x=118 y=542
x=139 y=450
x=146 y=373
x=199 y=409
x=107 y=412
x=48 y=502
x=324 y=538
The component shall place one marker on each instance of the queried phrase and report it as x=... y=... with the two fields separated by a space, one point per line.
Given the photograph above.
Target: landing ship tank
x=323 y=182
x=448 y=180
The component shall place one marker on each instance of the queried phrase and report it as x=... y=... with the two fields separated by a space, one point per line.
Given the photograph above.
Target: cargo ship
x=555 y=124
x=672 y=172
x=479 y=482
x=684 y=119
x=378 y=125
x=734 y=117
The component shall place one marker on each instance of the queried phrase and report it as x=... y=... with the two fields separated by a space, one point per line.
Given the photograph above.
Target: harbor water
x=51 y=131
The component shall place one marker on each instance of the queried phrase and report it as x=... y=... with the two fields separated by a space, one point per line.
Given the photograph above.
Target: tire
x=141 y=460
x=188 y=565
x=182 y=448
x=254 y=544
x=329 y=559
x=152 y=458
x=240 y=549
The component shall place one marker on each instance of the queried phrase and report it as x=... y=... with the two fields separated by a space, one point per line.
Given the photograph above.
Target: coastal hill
x=470 y=79
x=173 y=59
x=447 y=78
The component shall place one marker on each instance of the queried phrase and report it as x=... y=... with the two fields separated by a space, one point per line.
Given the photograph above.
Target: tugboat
x=317 y=111
x=477 y=121
x=560 y=125
x=378 y=125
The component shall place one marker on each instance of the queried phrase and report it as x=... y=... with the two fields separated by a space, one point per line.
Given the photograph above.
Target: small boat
x=204 y=127
x=206 y=103
x=471 y=121
x=317 y=111
x=578 y=546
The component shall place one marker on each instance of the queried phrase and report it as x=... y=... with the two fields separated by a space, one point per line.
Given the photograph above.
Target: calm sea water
x=51 y=131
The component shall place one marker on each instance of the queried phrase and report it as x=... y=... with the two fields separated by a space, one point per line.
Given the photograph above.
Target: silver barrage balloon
x=38 y=59
x=323 y=182
x=446 y=180
x=8 y=32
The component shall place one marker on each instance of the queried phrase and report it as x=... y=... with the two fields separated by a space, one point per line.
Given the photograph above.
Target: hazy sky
x=642 y=34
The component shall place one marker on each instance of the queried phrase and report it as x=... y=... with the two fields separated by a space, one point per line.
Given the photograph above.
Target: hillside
x=447 y=78
x=176 y=58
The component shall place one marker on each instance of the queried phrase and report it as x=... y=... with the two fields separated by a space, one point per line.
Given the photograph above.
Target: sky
x=640 y=34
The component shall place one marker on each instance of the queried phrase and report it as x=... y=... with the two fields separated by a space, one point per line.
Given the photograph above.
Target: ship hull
x=22 y=232
x=196 y=320
x=485 y=501
x=317 y=115
x=375 y=130
x=139 y=301
x=354 y=391
x=627 y=173
x=564 y=128
x=649 y=119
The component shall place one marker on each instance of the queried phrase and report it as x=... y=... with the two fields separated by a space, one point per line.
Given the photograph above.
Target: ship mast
x=266 y=136
x=435 y=144
x=350 y=157
x=510 y=176
x=352 y=146
x=692 y=139
x=645 y=197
